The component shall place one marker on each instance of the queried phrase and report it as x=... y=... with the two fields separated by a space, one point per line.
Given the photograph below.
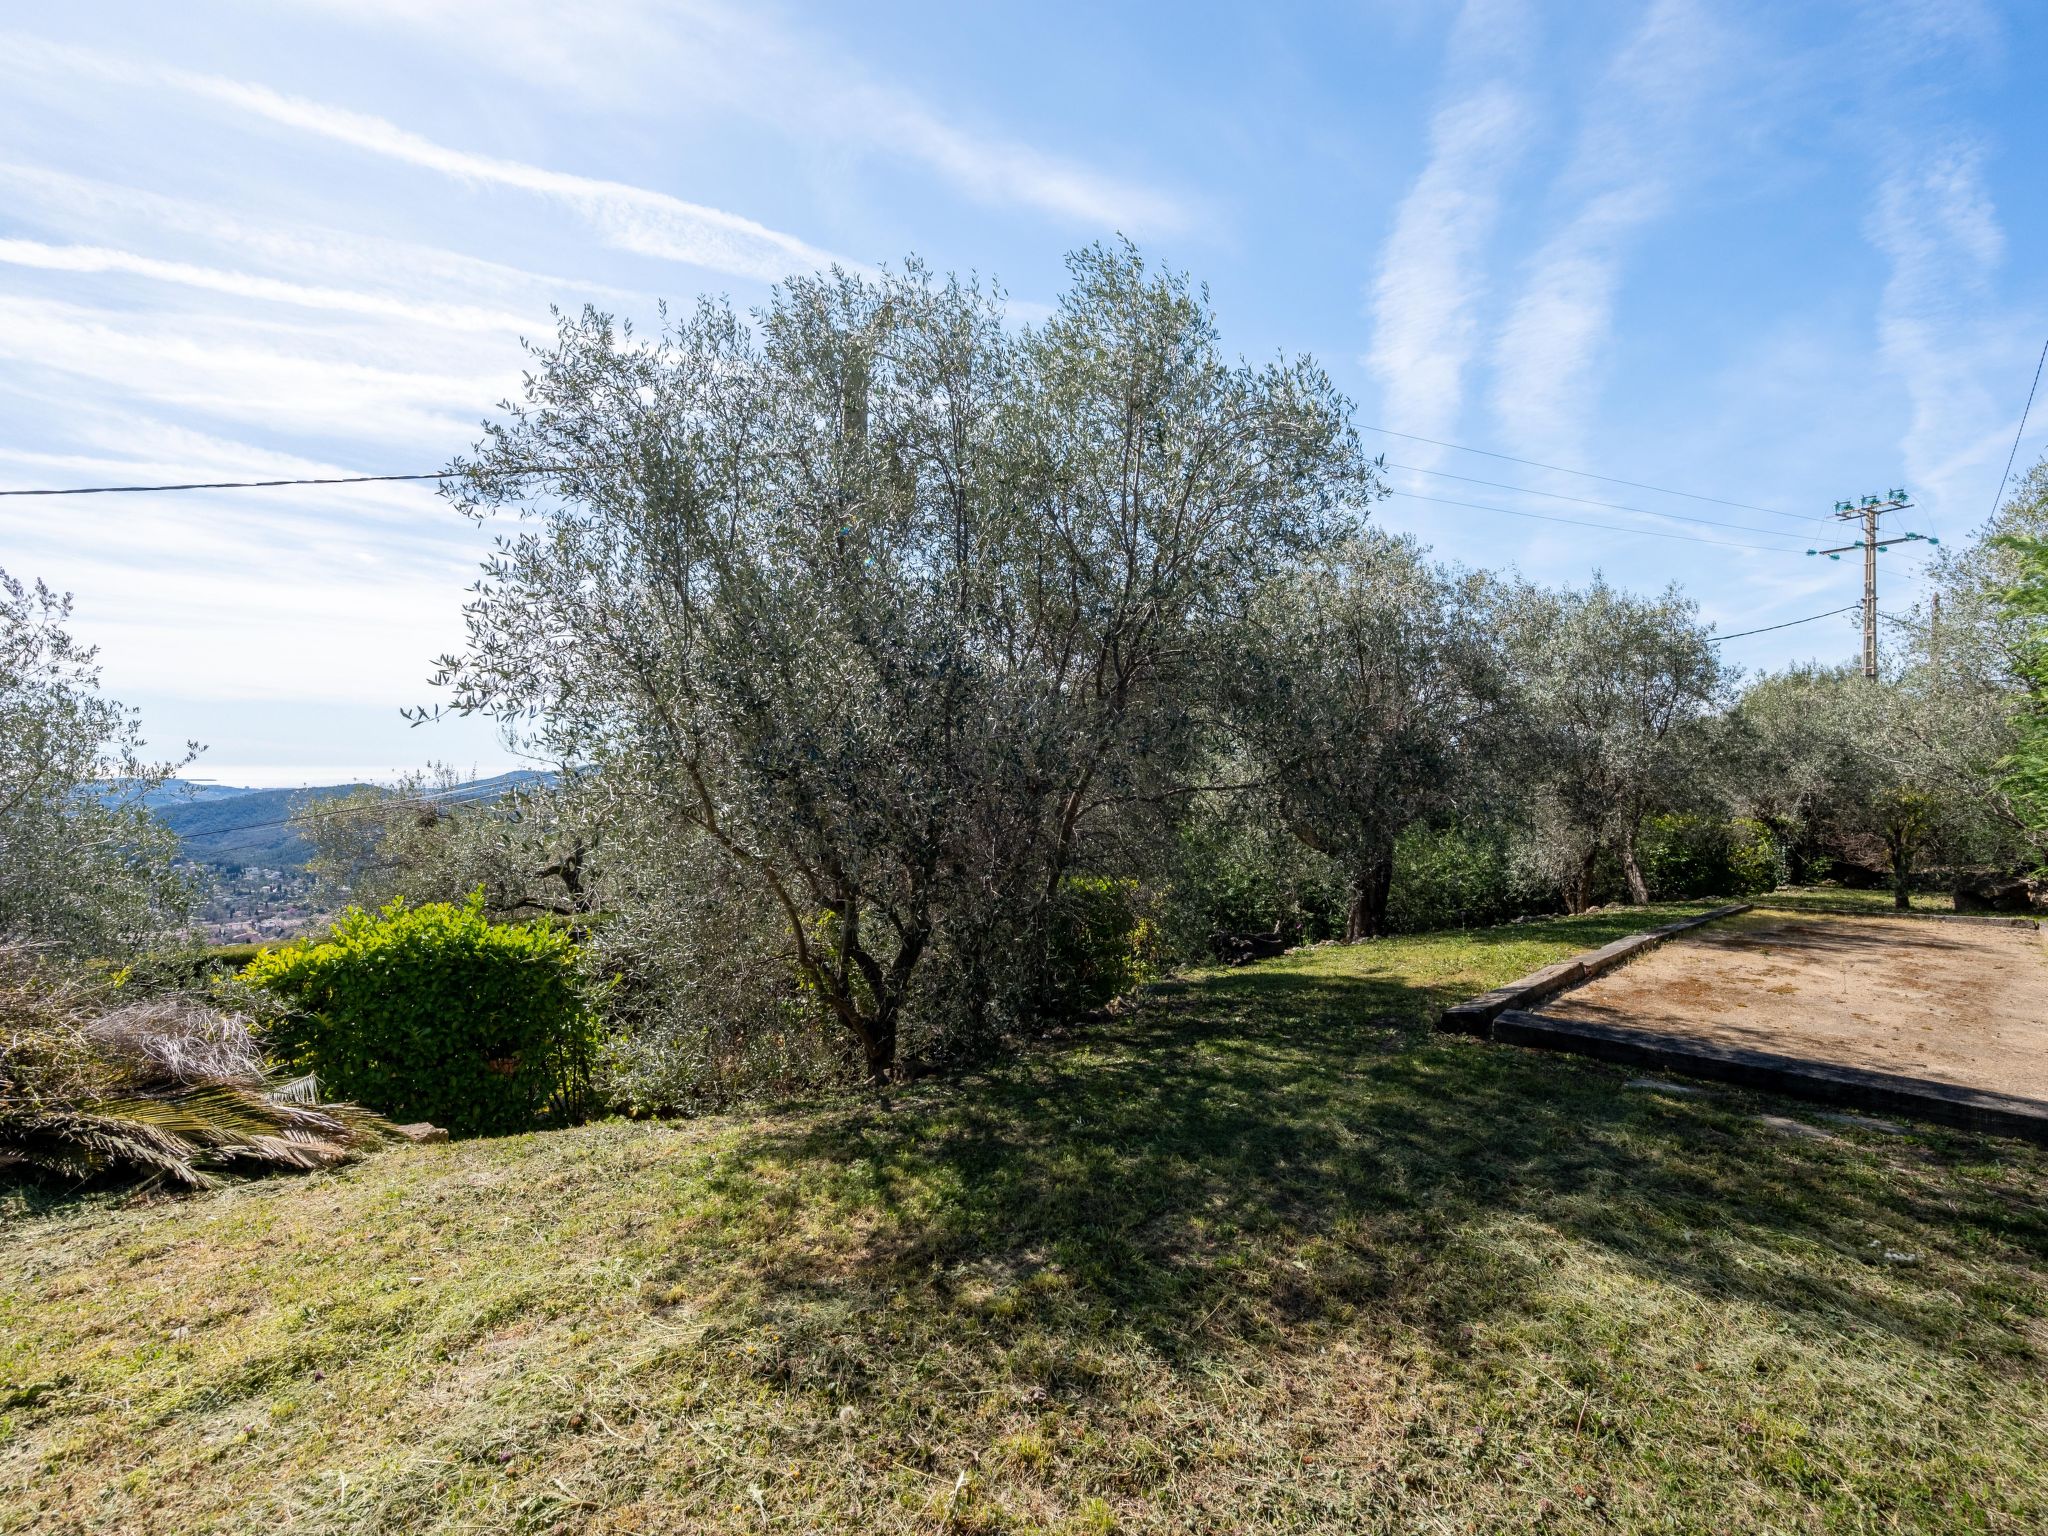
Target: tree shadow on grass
x=1252 y=1152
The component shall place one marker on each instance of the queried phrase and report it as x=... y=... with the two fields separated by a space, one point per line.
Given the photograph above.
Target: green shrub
x=1098 y=946
x=1755 y=859
x=1686 y=856
x=435 y=1013
x=1234 y=873
x=1451 y=878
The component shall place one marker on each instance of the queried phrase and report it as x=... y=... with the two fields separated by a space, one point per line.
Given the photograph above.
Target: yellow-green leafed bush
x=436 y=1013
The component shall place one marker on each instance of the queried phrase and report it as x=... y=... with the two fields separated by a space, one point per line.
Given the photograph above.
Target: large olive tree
x=894 y=605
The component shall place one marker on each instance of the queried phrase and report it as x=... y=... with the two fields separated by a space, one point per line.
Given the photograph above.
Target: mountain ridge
x=232 y=827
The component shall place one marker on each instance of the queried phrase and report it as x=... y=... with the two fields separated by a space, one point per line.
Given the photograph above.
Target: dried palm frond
x=179 y=1039
x=168 y=1088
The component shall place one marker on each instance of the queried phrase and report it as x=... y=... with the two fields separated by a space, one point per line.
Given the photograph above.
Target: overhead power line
x=263 y=485
x=1587 y=501
x=450 y=474
x=222 y=485
x=1587 y=474
x=1741 y=634
x=1649 y=533
x=2025 y=411
x=1579 y=522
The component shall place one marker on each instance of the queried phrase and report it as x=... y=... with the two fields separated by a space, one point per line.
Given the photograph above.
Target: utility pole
x=1934 y=638
x=1870 y=509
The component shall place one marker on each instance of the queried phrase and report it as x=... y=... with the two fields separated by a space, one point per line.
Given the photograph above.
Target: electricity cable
x=1587 y=474
x=259 y=485
x=1579 y=522
x=1788 y=624
x=1587 y=501
x=2025 y=411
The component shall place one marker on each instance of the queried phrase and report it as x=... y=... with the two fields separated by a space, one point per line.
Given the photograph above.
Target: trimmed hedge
x=436 y=1013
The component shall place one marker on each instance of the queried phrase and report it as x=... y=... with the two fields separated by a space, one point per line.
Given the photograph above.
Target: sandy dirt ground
x=1957 y=1002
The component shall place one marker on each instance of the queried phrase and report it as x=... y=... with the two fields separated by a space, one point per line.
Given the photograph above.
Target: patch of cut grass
x=1838 y=898
x=1262 y=1255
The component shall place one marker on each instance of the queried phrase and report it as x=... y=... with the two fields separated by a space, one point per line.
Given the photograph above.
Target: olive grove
x=915 y=678
x=907 y=659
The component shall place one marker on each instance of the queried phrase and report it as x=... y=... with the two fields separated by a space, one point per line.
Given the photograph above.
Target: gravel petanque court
x=1958 y=1003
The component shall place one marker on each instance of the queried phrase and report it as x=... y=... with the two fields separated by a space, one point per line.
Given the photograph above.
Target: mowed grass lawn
x=1838 y=898
x=1263 y=1255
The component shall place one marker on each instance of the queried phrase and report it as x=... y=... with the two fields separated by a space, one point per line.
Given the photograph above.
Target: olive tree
x=1980 y=668
x=1796 y=757
x=1613 y=694
x=1837 y=763
x=84 y=866
x=425 y=837
x=892 y=604
x=1369 y=683
x=2026 y=607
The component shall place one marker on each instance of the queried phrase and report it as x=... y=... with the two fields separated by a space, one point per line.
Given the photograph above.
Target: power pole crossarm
x=1870 y=509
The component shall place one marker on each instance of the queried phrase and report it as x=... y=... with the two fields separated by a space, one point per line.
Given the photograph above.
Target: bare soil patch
x=1953 y=1002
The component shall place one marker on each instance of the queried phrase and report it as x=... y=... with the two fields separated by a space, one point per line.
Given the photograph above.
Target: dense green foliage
x=1448 y=877
x=1100 y=946
x=436 y=1013
x=2025 y=606
x=1694 y=855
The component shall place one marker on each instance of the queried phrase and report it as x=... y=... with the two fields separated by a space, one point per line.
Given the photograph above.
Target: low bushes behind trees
x=1693 y=855
x=436 y=1013
x=1101 y=944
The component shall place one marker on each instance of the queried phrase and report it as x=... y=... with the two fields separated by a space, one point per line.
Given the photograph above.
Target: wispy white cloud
x=249 y=286
x=752 y=60
x=1621 y=177
x=1900 y=37
x=631 y=218
x=1431 y=275
x=1939 y=329
x=1431 y=278
x=1553 y=337
x=85 y=210
x=301 y=380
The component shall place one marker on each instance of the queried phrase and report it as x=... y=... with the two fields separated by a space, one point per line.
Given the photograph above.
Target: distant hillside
x=223 y=826
x=241 y=827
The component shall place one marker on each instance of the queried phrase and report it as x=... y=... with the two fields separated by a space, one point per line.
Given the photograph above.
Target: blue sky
x=1765 y=253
